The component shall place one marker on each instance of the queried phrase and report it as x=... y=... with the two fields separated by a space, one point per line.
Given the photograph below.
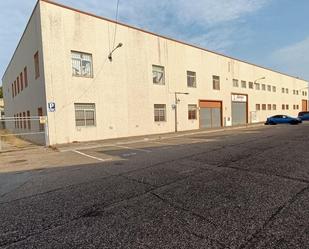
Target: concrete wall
x=32 y=97
x=123 y=90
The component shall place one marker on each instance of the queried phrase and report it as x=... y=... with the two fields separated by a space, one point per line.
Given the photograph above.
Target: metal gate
x=210 y=114
x=22 y=131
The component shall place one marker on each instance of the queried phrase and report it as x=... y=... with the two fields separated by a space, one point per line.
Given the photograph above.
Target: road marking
x=136 y=149
x=93 y=157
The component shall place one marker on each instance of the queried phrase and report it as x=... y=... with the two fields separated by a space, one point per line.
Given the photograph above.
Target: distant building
x=61 y=70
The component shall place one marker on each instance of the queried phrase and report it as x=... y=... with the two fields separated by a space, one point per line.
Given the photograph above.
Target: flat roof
x=151 y=33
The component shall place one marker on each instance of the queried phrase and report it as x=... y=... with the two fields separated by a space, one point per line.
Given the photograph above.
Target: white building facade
x=61 y=70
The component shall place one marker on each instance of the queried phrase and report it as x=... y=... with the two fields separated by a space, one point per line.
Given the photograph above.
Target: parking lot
x=240 y=188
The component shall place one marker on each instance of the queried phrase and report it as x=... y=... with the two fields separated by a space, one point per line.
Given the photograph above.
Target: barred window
x=263 y=87
x=235 y=83
x=283 y=107
x=191 y=79
x=85 y=114
x=269 y=107
x=160 y=113
x=158 y=75
x=263 y=107
x=257 y=107
x=243 y=84
x=81 y=64
x=251 y=85
x=274 y=107
x=274 y=89
x=282 y=90
x=269 y=88
x=192 y=111
x=257 y=86
x=287 y=90
x=216 y=82
x=287 y=107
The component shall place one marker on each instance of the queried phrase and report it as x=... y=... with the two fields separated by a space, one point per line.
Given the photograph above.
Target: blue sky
x=271 y=33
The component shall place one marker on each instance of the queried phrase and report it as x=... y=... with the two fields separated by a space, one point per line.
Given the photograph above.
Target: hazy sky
x=272 y=33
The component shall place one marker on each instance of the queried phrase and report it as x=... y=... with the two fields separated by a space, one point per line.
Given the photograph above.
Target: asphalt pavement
x=244 y=189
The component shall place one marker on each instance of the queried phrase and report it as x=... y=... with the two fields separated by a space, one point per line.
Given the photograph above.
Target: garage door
x=304 y=105
x=239 y=109
x=210 y=114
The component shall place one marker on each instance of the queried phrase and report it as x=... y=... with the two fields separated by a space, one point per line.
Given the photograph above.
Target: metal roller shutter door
x=239 y=113
x=210 y=114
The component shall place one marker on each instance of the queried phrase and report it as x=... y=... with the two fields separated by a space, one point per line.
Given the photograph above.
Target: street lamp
x=176 y=103
x=110 y=56
x=263 y=78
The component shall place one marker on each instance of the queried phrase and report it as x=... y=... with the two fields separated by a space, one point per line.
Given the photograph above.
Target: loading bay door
x=304 y=105
x=210 y=114
x=239 y=109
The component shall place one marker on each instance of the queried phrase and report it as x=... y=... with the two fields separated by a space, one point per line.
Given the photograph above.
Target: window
x=294 y=107
x=191 y=79
x=264 y=107
x=160 y=113
x=40 y=114
x=84 y=114
x=283 y=107
x=36 y=65
x=216 y=82
x=192 y=110
x=287 y=107
x=21 y=81
x=263 y=87
x=274 y=89
x=297 y=107
x=243 y=84
x=81 y=64
x=294 y=92
x=297 y=93
x=24 y=119
x=29 y=121
x=235 y=83
x=251 y=85
x=269 y=107
x=15 y=90
x=274 y=107
x=26 y=77
x=17 y=121
x=257 y=86
x=18 y=89
x=12 y=90
x=257 y=107
x=282 y=90
x=158 y=75
x=269 y=88
x=20 y=120
x=287 y=90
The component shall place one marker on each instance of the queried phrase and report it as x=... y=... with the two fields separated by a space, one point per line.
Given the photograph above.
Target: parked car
x=303 y=116
x=282 y=119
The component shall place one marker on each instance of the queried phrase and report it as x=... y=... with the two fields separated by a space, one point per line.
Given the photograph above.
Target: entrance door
x=304 y=105
x=210 y=114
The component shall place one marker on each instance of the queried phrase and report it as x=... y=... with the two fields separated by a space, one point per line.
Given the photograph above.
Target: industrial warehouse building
x=61 y=70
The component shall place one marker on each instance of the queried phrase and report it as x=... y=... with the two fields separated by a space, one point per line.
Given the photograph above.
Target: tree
x=1 y=92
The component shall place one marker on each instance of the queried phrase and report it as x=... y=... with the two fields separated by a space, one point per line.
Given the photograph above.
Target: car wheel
x=294 y=123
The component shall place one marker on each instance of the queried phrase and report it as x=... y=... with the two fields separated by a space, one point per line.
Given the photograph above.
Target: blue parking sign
x=51 y=107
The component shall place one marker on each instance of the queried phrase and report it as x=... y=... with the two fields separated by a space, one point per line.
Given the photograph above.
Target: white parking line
x=93 y=157
x=129 y=148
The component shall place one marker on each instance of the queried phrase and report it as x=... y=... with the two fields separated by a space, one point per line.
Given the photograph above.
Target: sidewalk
x=145 y=138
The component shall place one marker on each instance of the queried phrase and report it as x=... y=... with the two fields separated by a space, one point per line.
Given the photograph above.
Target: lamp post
x=110 y=56
x=176 y=103
x=262 y=78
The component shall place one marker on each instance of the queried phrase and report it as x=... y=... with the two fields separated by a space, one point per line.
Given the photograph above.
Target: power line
x=115 y=32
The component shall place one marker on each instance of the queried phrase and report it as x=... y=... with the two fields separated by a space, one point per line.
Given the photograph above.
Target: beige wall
x=123 y=90
x=32 y=97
